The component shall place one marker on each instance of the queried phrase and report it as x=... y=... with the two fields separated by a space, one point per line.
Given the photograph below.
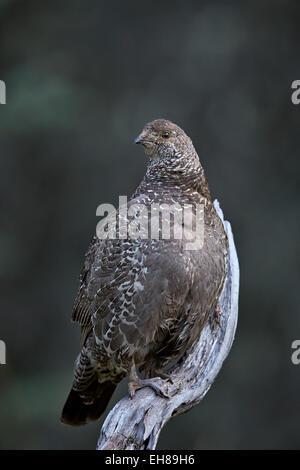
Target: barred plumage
x=144 y=301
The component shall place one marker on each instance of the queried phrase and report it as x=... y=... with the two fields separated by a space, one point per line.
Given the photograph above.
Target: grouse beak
x=140 y=139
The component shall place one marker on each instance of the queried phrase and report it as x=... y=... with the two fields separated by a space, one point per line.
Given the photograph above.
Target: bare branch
x=135 y=424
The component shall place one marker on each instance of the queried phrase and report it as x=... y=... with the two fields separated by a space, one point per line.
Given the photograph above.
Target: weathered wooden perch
x=135 y=424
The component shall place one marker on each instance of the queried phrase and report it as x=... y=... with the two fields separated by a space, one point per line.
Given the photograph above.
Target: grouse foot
x=158 y=384
x=154 y=373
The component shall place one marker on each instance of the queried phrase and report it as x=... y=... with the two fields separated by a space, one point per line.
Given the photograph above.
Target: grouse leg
x=160 y=373
x=135 y=383
x=152 y=371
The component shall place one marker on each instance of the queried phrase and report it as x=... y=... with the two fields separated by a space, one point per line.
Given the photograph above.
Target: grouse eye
x=165 y=134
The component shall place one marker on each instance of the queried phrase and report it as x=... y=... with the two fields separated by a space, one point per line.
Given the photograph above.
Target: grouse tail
x=82 y=407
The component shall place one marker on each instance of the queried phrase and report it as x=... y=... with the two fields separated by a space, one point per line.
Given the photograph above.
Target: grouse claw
x=157 y=384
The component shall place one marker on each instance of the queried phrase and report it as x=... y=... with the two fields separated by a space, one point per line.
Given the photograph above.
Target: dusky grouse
x=143 y=300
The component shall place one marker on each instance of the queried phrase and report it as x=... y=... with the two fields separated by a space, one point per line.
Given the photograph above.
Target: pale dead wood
x=135 y=424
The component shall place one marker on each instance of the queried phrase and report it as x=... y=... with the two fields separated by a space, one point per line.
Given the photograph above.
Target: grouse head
x=173 y=159
x=162 y=138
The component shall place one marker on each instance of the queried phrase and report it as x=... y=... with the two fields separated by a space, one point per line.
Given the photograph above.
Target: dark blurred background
x=82 y=78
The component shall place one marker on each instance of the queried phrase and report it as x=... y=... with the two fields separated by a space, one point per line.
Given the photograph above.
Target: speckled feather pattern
x=148 y=299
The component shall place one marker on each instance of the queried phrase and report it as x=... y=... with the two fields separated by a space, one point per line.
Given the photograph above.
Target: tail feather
x=78 y=410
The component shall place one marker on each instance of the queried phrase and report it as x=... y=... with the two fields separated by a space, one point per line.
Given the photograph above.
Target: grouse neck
x=179 y=173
